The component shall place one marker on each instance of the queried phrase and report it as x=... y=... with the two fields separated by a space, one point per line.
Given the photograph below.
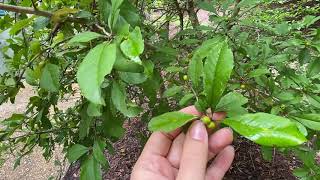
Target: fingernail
x=231 y=130
x=198 y=131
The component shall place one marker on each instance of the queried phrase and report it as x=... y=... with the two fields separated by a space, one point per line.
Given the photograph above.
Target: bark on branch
x=25 y=10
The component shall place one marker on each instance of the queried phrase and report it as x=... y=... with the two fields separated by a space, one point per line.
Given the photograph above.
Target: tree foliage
x=253 y=60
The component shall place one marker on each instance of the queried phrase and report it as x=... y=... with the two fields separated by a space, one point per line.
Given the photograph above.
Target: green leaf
x=133 y=78
x=94 y=110
x=282 y=28
x=169 y=121
x=185 y=100
x=301 y=172
x=267 y=153
x=172 y=91
x=90 y=169
x=75 y=152
x=18 y=26
x=312 y=121
x=232 y=104
x=85 y=122
x=119 y=100
x=301 y=128
x=40 y=23
x=196 y=64
x=309 y=20
x=314 y=100
x=259 y=72
x=31 y=77
x=50 y=78
x=217 y=71
x=266 y=129
x=245 y=3
x=98 y=149
x=314 y=68
x=133 y=46
x=91 y=73
x=84 y=37
x=174 y=69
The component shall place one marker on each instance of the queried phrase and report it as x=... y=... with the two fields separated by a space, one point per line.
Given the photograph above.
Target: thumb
x=195 y=153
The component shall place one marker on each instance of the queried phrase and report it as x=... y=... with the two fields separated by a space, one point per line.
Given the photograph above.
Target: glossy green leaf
x=266 y=129
x=76 y=151
x=232 y=104
x=92 y=71
x=98 y=152
x=50 y=78
x=172 y=91
x=186 y=99
x=84 y=37
x=195 y=71
x=90 y=169
x=169 y=121
x=312 y=121
x=301 y=128
x=133 y=46
x=217 y=71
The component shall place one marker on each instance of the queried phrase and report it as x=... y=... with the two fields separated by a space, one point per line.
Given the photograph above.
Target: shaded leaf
x=50 y=78
x=90 y=169
x=76 y=151
x=232 y=104
x=172 y=91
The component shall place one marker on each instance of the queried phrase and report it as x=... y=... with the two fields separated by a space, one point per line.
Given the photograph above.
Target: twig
x=34 y=5
x=103 y=30
x=25 y=10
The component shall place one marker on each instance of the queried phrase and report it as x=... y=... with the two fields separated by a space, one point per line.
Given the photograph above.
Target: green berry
x=243 y=86
x=206 y=120
x=185 y=77
x=212 y=125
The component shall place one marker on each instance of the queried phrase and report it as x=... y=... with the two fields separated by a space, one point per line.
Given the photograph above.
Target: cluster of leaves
x=123 y=55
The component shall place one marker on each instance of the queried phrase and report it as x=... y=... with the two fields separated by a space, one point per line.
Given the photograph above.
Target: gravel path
x=33 y=166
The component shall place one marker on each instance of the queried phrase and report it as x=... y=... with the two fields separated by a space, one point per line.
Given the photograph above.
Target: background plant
x=124 y=56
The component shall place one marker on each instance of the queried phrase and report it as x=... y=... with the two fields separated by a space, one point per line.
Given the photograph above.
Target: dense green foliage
x=257 y=60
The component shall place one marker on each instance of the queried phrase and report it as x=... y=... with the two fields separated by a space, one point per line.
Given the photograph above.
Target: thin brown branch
x=25 y=10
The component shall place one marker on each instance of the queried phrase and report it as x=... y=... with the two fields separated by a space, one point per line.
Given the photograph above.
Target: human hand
x=175 y=155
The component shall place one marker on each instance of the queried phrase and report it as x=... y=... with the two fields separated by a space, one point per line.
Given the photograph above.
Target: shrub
x=251 y=60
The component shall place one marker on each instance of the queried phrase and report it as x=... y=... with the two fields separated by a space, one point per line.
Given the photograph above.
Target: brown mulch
x=248 y=163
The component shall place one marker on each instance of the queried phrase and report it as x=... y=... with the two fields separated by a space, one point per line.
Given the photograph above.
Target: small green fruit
x=185 y=77
x=243 y=86
x=206 y=120
x=212 y=125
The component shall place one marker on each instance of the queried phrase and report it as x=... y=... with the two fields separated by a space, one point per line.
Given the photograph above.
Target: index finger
x=159 y=143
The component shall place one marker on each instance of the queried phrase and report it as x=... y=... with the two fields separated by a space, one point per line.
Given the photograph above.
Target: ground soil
x=248 y=163
x=33 y=166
